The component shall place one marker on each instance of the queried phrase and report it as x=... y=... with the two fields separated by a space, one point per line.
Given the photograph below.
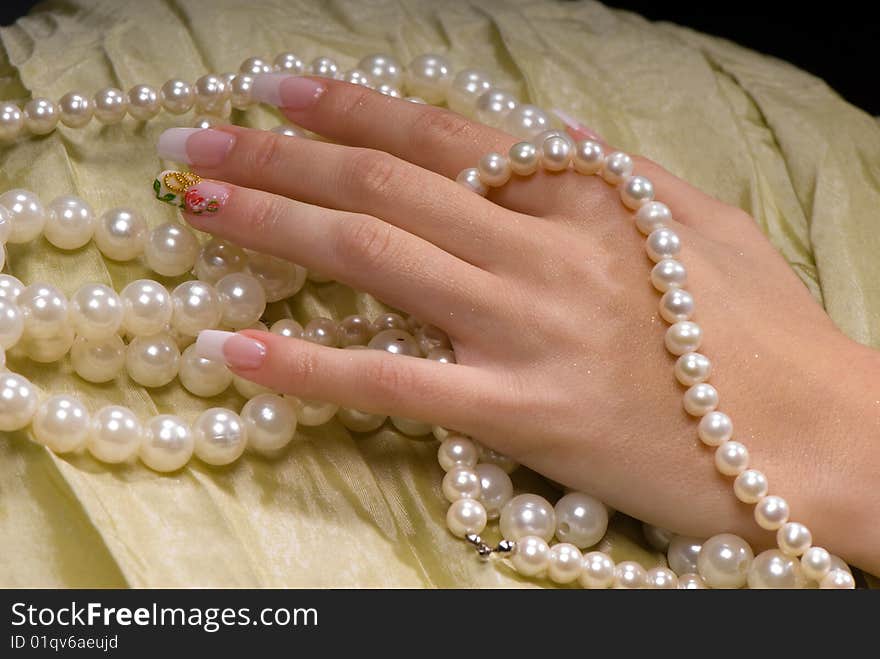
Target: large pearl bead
x=616 y=167
x=661 y=578
x=171 y=250
x=49 y=349
x=312 y=412
x=242 y=300
x=241 y=89
x=75 y=109
x=460 y=483
x=526 y=121
x=255 y=66
x=45 y=310
x=652 y=216
x=289 y=328
x=496 y=488
x=531 y=555
x=324 y=67
x=220 y=436
x=40 y=116
x=771 y=512
x=395 y=341
x=465 y=517
x=61 y=423
x=321 y=331
x=358 y=421
x=270 y=422
x=111 y=105
x=794 y=538
x=597 y=570
x=28 y=215
x=715 y=428
x=121 y=233
x=580 y=519
x=773 y=569
x=289 y=63
x=692 y=368
x=668 y=274
x=96 y=311
x=837 y=580
x=147 y=307
x=676 y=304
x=683 y=336
x=196 y=307
x=683 y=553
x=115 y=434
x=750 y=486
x=467 y=86
x=428 y=77
x=662 y=244
x=203 y=377
x=527 y=514
x=457 y=451
x=556 y=153
x=177 y=96
x=70 y=222
x=629 y=574
x=700 y=399
x=280 y=278
x=731 y=458
x=724 y=560
x=18 y=401
x=816 y=563
x=143 y=102
x=493 y=106
x=588 y=157
x=358 y=77
x=494 y=169
x=382 y=69
x=524 y=158
x=10 y=288
x=354 y=330
x=168 y=443
x=219 y=258
x=11 y=121
x=211 y=93
x=152 y=361
x=470 y=178
x=11 y=324
x=98 y=360
x=636 y=191
x=564 y=562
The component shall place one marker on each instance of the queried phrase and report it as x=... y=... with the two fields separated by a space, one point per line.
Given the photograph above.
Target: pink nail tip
x=576 y=128
x=286 y=91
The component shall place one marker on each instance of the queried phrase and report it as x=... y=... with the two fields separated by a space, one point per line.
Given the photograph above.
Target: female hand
x=543 y=288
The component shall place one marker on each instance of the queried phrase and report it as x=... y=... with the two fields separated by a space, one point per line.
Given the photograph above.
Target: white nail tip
x=172 y=144
x=209 y=344
x=267 y=88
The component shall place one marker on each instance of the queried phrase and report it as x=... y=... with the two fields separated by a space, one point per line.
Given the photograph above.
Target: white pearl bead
x=494 y=169
x=527 y=514
x=211 y=93
x=683 y=336
x=75 y=110
x=773 y=569
x=491 y=456
x=636 y=191
x=171 y=249
x=661 y=578
x=388 y=90
x=203 y=377
x=45 y=310
x=616 y=167
x=496 y=488
x=700 y=399
x=11 y=324
x=219 y=258
x=152 y=361
x=750 y=486
x=48 y=349
x=692 y=368
x=358 y=77
x=168 y=443
x=96 y=311
x=564 y=562
x=241 y=90
x=724 y=561
x=98 y=360
x=324 y=67
x=667 y=274
x=279 y=278
x=270 y=422
x=312 y=412
x=255 y=66
x=466 y=87
x=771 y=512
x=11 y=122
x=242 y=300
x=715 y=428
x=662 y=244
x=731 y=458
x=143 y=102
x=676 y=304
x=659 y=538
x=457 y=451
x=683 y=553
x=111 y=105
x=588 y=157
x=428 y=76
x=289 y=63
x=597 y=570
x=691 y=582
x=459 y=483
x=526 y=121
x=493 y=106
x=177 y=96
x=196 y=307
x=794 y=538
x=18 y=401
x=115 y=434
x=40 y=116
x=219 y=436
x=147 y=307
x=816 y=563
x=27 y=215
x=837 y=563
x=358 y=421
x=466 y=516
x=531 y=555
x=382 y=69
x=652 y=216
x=837 y=580
x=524 y=158
x=10 y=288
x=629 y=574
x=556 y=153
x=70 y=222
x=121 y=233
x=580 y=519
x=470 y=178
x=61 y=423
x=287 y=327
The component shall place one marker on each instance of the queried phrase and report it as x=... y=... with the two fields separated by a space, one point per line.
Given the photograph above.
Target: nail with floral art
x=190 y=192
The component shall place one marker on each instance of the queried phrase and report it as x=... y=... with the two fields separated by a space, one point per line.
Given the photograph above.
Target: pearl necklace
x=233 y=288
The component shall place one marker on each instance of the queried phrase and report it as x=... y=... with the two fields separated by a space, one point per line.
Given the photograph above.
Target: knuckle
x=265 y=154
x=264 y=217
x=371 y=172
x=363 y=242
x=390 y=377
x=434 y=126
x=305 y=366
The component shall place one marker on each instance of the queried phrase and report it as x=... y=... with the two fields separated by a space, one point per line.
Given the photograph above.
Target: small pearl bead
x=662 y=244
x=580 y=519
x=661 y=578
x=684 y=336
x=382 y=68
x=466 y=516
x=96 y=312
x=493 y=106
x=111 y=105
x=616 y=167
x=531 y=556
x=45 y=310
x=731 y=458
x=491 y=456
x=461 y=482
x=715 y=428
x=441 y=355
x=588 y=157
x=467 y=86
x=683 y=553
x=771 y=512
x=196 y=307
x=700 y=399
x=27 y=215
x=794 y=538
x=147 y=307
x=11 y=323
x=211 y=93
x=270 y=422
x=692 y=368
x=70 y=222
x=676 y=304
x=219 y=436
x=527 y=514
x=524 y=158
x=388 y=90
x=629 y=574
x=240 y=91
x=40 y=116
x=324 y=67
x=657 y=537
x=652 y=216
x=395 y=341
x=242 y=299
x=724 y=561
x=287 y=327
x=387 y=321
x=494 y=170
x=750 y=486
x=177 y=96
x=597 y=570
x=75 y=110
x=61 y=423
x=168 y=443
x=171 y=249
x=667 y=274
x=11 y=121
x=636 y=191
x=152 y=361
x=120 y=234
x=691 y=582
x=837 y=580
x=99 y=360
x=457 y=451
x=255 y=66
x=428 y=76
x=115 y=434
x=312 y=412
x=816 y=563
x=358 y=421
x=773 y=569
x=289 y=63
x=556 y=153
x=143 y=102
x=219 y=258
x=564 y=562
x=18 y=401
x=358 y=77
x=203 y=377
x=496 y=488
x=526 y=121
x=470 y=178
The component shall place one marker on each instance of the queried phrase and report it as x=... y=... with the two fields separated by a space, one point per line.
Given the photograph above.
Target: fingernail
x=190 y=192
x=203 y=147
x=575 y=128
x=286 y=91
x=236 y=350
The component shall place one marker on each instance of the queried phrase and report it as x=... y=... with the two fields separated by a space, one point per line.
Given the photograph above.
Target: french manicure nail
x=236 y=350
x=203 y=147
x=576 y=128
x=286 y=91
